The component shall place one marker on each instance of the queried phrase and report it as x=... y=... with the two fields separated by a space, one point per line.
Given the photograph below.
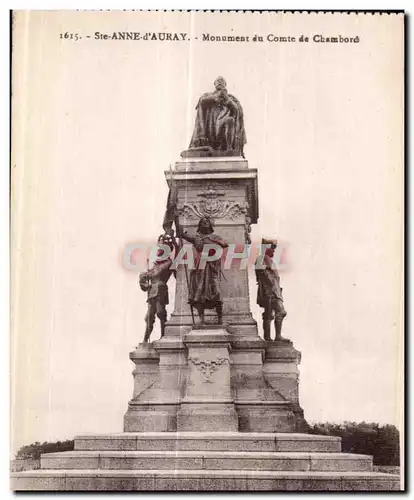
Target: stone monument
x=214 y=406
x=257 y=381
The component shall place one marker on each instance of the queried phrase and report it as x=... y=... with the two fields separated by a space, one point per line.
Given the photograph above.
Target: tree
x=34 y=450
x=366 y=438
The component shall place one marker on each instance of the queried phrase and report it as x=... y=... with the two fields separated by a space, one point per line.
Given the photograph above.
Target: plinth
x=225 y=190
x=208 y=404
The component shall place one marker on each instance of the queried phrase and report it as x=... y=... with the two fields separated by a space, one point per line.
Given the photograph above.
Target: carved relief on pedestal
x=213 y=206
x=207 y=367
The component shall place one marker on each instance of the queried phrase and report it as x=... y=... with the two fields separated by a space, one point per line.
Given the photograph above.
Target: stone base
x=205 y=461
x=206 y=417
x=209 y=441
x=201 y=480
x=256 y=381
x=208 y=151
x=261 y=417
x=150 y=418
x=210 y=164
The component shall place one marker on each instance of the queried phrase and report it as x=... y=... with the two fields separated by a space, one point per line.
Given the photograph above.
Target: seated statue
x=219 y=125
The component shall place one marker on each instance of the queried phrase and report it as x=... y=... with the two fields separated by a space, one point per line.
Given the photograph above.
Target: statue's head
x=220 y=83
x=205 y=226
x=166 y=240
x=270 y=251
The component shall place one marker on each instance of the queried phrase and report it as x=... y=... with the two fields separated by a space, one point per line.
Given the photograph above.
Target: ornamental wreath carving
x=212 y=206
x=207 y=367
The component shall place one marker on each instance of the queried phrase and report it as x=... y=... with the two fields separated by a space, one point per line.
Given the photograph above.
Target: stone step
x=201 y=480
x=209 y=460
x=212 y=441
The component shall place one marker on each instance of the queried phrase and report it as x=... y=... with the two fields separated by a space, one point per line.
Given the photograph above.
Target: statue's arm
x=143 y=281
x=143 y=277
x=183 y=234
x=156 y=271
x=206 y=98
x=234 y=105
x=215 y=238
x=188 y=237
x=223 y=243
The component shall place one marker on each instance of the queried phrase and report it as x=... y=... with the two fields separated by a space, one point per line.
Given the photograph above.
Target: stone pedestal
x=225 y=190
x=146 y=360
x=158 y=381
x=208 y=403
x=281 y=369
x=260 y=406
x=211 y=378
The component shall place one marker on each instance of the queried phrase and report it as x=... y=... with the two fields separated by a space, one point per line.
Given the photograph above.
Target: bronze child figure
x=269 y=292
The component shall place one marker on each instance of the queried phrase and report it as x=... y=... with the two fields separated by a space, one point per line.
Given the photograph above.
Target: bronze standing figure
x=204 y=292
x=269 y=292
x=154 y=282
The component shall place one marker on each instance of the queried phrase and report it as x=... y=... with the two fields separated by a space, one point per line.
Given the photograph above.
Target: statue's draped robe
x=220 y=126
x=205 y=283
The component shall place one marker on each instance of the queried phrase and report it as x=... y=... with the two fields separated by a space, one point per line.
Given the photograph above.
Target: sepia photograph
x=207 y=229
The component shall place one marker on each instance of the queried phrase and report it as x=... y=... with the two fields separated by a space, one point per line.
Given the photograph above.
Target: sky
x=97 y=124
